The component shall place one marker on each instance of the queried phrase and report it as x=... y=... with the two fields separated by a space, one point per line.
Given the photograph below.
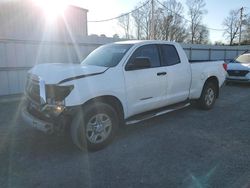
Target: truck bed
x=204 y=61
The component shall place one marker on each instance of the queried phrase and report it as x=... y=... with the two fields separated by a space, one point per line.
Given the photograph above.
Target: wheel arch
x=110 y=100
x=215 y=81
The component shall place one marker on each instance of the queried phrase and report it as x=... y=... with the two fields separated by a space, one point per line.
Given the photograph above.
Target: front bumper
x=47 y=123
x=44 y=126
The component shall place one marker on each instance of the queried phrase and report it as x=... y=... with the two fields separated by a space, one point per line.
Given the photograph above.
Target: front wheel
x=94 y=126
x=208 y=96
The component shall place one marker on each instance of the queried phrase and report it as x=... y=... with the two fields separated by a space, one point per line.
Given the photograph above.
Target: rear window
x=169 y=55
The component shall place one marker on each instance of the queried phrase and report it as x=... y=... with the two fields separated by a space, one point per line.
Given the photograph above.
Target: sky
x=217 y=11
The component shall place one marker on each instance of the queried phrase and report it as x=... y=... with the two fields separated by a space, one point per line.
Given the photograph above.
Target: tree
x=195 y=11
x=246 y=32
x=219 y=43
x=124 y=22
x=137 y=16
x=146 y=20
x=202 y=35
x=231 y=25
x=172 y=25
x=116 y=36
x=168 y=21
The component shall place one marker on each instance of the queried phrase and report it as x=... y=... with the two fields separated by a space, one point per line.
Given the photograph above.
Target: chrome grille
x=32 y=89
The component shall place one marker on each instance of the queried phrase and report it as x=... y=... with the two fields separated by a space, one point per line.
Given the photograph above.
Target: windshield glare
x=243 y=59
x=107 y=56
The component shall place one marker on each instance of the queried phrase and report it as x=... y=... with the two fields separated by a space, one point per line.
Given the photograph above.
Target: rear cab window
x=169 y=55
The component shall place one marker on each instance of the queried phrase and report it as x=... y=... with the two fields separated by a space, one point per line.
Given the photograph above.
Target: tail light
x=225 y=66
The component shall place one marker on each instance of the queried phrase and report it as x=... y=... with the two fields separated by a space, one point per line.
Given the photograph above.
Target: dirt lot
x=186 y=148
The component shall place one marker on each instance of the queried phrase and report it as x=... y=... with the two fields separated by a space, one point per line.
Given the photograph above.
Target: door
x=145 y=86
x=178 y=79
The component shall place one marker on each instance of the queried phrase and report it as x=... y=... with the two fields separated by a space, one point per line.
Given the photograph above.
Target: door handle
x=161 y=73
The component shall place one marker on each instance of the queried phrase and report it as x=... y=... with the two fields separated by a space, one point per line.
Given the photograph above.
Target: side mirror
x=139 y=63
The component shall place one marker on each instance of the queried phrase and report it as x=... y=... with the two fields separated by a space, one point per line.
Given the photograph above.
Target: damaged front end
x=45 y=105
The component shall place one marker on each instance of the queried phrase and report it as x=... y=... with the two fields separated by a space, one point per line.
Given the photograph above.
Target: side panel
x=178 y=83
x=144 y=86
x=144 y=89
x=178 y=80
x=110 y=83
x=201 y=72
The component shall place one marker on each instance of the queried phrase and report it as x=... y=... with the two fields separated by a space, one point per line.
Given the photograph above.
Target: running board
x=155 y=113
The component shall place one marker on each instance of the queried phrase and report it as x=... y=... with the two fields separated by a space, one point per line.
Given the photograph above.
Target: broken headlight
x=56 y=94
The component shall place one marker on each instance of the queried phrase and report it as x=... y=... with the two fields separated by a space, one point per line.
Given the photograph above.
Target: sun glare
x=52 y=8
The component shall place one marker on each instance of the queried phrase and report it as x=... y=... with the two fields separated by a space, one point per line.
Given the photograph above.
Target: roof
x=145 y=42
x=76 y=7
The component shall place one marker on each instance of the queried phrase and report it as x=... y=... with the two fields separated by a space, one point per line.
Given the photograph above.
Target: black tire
x=88 y=130
x=208 y=96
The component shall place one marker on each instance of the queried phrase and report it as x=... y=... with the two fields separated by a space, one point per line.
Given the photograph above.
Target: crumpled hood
x=238 y=66
x=54 y=73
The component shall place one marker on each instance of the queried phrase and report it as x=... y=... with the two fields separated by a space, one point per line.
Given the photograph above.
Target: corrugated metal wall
x=211 y=52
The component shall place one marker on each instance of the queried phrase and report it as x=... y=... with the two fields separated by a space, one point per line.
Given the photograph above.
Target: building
x=27 y=38
x=26 y=20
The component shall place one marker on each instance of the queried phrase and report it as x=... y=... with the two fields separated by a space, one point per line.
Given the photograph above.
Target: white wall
x=17 y=57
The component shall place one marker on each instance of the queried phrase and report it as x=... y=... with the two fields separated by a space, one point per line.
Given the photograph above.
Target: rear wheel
x=208 y=96
x=94 y=127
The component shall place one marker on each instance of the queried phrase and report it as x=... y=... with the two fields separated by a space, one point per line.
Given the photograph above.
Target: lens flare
x=52 y=8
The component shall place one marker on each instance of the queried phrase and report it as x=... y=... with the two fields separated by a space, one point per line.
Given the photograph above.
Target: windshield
x=107 y=56
x=245 y=58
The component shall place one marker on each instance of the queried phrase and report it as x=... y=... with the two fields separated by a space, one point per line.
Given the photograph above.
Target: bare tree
x=146 y=20
x=196 y=10
x=116 y=36
x=202 y=35
x=124 y=22
x=168 y=21
x=246 y=32
x=231 y=25
x=137 y=16
x=173 y=25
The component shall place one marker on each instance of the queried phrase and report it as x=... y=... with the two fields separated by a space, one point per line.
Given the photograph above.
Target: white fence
x=210 y=52
x=18 y=56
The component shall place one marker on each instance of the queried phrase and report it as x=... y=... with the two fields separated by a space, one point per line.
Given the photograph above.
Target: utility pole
x=241 y=16
x=152 y=33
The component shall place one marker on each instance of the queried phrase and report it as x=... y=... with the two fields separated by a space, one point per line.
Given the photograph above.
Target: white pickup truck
x=123 y=82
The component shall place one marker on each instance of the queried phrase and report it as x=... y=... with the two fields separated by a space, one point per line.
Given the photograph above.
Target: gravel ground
x=186 y=148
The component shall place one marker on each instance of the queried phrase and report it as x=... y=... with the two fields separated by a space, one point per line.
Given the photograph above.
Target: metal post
x=209 y=54
x=241 y=15
x=225 y=54
x=152 y=34
x=190 y=53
